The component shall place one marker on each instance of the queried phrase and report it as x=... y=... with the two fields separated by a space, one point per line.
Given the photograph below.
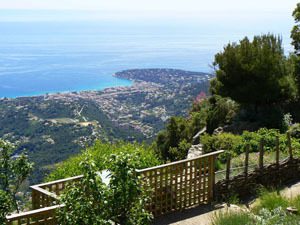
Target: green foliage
x=277 y=216
x=99 y=152
x=295 y=202
x=236 y=144
x=180 y=152
x=172 y=142
x=226 y=141
x=295 y=130
x=258 y=67
x=14 y=169
x=271 y=200
x=221 y=112
x=271 y=210
x=127 y=197
x=85 y=202
x=5 y=206
x=232 y=218
x=295 y=34
x=91 y=202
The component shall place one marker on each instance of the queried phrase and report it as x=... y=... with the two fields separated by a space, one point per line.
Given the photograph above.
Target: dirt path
x=202 y=215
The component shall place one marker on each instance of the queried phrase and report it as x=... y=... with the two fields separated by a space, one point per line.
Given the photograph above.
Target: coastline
x=127 y=83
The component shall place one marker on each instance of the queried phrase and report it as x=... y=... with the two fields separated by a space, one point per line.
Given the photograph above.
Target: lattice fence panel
x=180 y=185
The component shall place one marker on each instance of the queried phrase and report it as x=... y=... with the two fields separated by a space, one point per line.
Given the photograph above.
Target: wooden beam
x=228 y=165
x=289 y=143
x=246 y=160
x=181 y=161
x=261 y=154
x=277 y=151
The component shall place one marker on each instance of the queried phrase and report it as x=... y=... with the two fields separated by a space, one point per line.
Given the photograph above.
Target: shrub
x=295 y=130
x=221 y=113
x=277 y=216
x=85 y=202
x=5 y=206
x=236 y=144
x=226 y=141
x=180 y=152
x=99 y=152
x=90 y=201
x=14 y=170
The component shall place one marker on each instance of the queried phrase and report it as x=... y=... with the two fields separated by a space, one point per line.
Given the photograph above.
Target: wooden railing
x=244 y=180
x=182 y=184
x=44 y=203
x=35 y=217
x=176 y=186
x=45 y=195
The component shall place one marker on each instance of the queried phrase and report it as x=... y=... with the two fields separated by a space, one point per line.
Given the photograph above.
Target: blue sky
x=145 y=9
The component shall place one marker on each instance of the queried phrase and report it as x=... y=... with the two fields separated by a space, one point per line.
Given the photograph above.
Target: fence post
x=246 y=161
x=35 y=198
x=213 y=179
x=228 y=167
x=289 y=142
x=261 y=154
x=277 y=151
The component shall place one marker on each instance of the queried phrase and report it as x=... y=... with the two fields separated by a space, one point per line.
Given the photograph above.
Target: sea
x=39 y=57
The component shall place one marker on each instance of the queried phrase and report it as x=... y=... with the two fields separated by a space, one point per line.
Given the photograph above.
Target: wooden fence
x=34 y=217
x=45 y=195
x=182 y=184
x=176 y=186
x=262 y=174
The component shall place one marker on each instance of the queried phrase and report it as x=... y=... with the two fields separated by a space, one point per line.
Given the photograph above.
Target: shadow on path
x=198 y=215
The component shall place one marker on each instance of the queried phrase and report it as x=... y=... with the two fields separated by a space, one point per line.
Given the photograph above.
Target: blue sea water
x=49 y=57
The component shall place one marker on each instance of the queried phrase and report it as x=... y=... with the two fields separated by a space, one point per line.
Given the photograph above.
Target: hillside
x=53 y=127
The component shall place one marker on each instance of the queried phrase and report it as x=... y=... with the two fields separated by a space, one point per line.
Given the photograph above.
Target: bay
x=49 y=57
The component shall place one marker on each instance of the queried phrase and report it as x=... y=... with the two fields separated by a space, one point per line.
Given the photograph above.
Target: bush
x=277 y=216
x=86 y=201
x=221 y=113
x=236 y=144
x=122 y=200
x=295 y=130
x=14 y=170
x=226 y=141
x=5 y=206
x=99 y=152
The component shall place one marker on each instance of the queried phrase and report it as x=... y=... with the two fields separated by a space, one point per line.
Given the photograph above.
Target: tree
x=127 y=195
x=295 y=34
x=254 y=72
x=85 y=202
x=14 y=170
x=92 y=202
x=221 y=112
x=168 y=141
x=294 y=107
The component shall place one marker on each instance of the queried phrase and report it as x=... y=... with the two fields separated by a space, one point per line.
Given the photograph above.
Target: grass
x=295 y=202
x=232 y=218
x=271 y=200
x=270 y=209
